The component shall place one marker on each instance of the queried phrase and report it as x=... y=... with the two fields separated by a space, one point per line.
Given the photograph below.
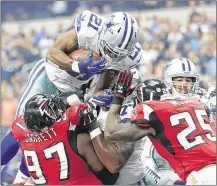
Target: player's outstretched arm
x=107 y=80
x=66 y=41
x=86 y=150
x=112 y=155
x=114 y=130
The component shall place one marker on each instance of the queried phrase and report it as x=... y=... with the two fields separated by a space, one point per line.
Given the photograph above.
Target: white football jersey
x=133 y=171
x=157 y=169
x=87 y=25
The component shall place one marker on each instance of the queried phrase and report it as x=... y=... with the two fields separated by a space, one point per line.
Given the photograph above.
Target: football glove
x=104 y=100
x=122 y=86
x=88 y=120
x=89 y=67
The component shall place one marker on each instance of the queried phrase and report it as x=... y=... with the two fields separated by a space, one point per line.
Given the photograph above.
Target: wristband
x=73 y=100
x=75 y=67
x=95 y=133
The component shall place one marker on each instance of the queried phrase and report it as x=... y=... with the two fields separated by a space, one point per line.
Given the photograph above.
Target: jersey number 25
x=184 y=136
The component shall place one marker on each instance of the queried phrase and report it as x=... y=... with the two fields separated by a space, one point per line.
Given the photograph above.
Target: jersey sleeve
x=87 y=26
x=18 y=128
x=131 y=60
x=125 y=113
x=134 y=58
x=73 y=114
x=141 y=115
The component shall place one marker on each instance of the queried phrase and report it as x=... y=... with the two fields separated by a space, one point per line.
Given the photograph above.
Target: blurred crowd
x=161 y=38
x=23 y=10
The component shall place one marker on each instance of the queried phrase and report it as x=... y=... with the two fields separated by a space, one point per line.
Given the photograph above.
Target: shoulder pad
x=140 y=114
x=18 y=128
x=87 y=26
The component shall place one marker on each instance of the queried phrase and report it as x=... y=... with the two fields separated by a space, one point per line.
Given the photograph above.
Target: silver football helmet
x=181 y=68
x=118 y=37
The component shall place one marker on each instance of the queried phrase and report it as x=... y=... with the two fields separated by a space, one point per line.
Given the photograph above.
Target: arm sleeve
x=9 y=148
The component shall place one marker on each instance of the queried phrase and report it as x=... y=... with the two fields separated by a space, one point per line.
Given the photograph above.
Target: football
x=81 y=54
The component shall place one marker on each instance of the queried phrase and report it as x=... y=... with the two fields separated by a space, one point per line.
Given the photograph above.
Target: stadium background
x=167 y=29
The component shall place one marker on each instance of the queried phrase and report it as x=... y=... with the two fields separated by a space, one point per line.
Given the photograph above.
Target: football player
x=116 y=155
x=212 y=108
x=126 y=157
x=133 y=171
x=54 y=150
x=179 y=128
x=211 y=102
x=116 y=39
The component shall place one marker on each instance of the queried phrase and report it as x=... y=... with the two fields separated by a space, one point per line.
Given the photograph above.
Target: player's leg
x=154 y=176
x=205 y=176
x=157 y=169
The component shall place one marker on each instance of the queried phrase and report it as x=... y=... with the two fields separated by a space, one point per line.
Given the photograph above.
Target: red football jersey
x=49 y=157
x=184 y=135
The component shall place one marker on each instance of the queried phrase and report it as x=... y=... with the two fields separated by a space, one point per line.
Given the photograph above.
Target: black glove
x=88 y=120
x=122 y=86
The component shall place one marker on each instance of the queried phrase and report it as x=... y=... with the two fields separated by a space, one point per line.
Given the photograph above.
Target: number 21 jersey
x=184 y=135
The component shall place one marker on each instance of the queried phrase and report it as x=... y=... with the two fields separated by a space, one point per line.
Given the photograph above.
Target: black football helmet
x=150 y=89
x=42 y=111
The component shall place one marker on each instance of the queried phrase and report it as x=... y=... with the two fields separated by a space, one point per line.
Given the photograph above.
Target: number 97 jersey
x=51 y=156
x=184 y=135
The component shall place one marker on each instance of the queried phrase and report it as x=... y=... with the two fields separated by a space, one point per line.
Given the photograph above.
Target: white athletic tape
x=95 y=133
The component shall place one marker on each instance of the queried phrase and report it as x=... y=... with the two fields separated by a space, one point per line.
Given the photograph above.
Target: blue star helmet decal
x=110 y=24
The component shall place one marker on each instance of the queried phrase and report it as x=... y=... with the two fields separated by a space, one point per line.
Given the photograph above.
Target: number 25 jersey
x=49 y=155
x=184 y=135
